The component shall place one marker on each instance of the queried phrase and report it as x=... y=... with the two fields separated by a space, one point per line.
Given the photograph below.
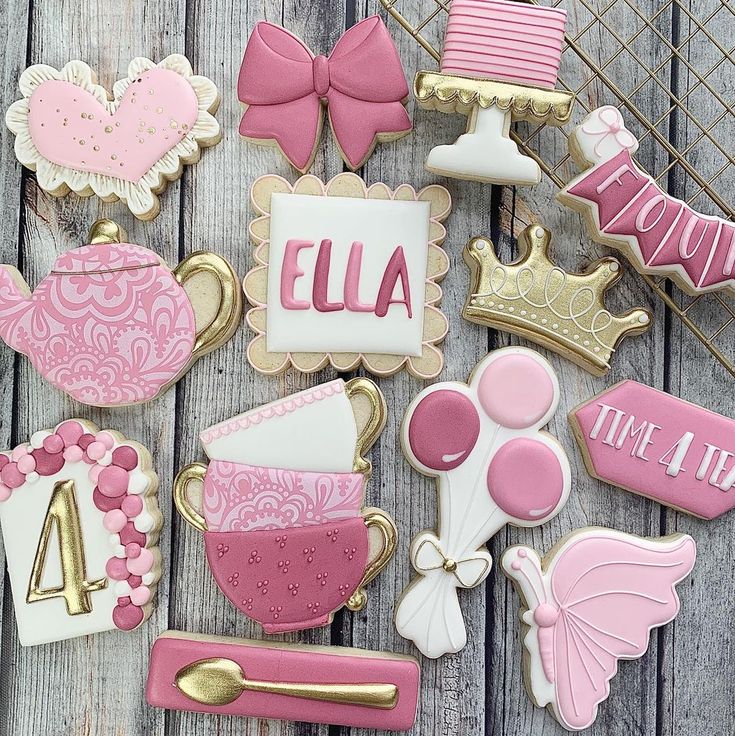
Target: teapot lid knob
x=106 y=231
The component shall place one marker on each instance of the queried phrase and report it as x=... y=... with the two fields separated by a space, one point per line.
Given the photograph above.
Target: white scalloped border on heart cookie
x=141 y=196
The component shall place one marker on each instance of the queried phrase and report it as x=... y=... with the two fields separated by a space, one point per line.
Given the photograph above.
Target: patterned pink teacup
x=288 y=548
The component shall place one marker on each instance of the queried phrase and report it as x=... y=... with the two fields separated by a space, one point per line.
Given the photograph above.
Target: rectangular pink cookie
x=506 y=41
x=654 y=444
x=261 y=660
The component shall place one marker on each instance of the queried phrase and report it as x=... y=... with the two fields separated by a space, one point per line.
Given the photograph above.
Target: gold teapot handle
x=374 y=426
x=389 y=538
x=229 y=311
x=187 y=475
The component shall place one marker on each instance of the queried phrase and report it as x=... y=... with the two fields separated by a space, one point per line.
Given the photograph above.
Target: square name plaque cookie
x=347 y=274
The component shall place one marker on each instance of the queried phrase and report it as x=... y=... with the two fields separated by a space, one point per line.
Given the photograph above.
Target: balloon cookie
x=534 y=298
x=592 y=601
x=494 y=466
x=76 y=138
x=347 y=275
x=80 y=525
x=499 y=64
x=112 y=324
x=286 y=89
x=626 y=209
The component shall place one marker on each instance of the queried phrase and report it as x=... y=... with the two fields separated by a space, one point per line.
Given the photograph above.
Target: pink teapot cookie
x=112 y=324
x=281 y=505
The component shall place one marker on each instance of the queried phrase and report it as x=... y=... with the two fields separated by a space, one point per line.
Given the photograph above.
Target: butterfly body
x=592 y=602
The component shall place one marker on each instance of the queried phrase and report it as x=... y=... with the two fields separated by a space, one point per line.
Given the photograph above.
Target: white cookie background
x=94 y=683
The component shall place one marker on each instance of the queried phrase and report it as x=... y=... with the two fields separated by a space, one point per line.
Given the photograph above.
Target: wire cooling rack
x=670 y=65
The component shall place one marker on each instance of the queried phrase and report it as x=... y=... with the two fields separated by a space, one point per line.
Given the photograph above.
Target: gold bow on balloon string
x=469 y=571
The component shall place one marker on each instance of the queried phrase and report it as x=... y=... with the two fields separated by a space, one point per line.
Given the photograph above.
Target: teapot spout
x=106 y=231
x=15 y=304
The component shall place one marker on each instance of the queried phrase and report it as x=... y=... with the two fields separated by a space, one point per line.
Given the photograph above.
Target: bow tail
x=358 y=125
x=295 y=126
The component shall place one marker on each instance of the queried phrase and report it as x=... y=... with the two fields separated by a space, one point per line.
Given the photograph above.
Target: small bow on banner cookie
x=285 y=87
x=427 y=556
x=608 y=129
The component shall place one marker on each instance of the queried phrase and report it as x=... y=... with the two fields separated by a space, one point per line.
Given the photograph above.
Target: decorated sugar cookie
x=80 y=525
x=593 y=600
x=112 y=324
x=626 y=209
x=499 y=63
x=494 y=466
x=281 y=505
x=656 y=445
x=286 y=681
x=286 y=89
x=347 y=275
x=534 y=298
x=76 y=138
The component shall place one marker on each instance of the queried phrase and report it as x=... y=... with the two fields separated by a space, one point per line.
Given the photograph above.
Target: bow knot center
x=450 y=565
x=321 y=75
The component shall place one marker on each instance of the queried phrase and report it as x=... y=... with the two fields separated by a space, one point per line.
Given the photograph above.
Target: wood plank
x=92 y=684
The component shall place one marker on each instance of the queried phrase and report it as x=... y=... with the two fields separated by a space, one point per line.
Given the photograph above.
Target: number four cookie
x=80 y=525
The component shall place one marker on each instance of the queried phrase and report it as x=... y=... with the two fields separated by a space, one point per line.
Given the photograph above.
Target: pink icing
x=395 y=270
x=290 y=271
x=659 y=446
x=245 y=498
x=110 y=325
x=70 y=127
x=504 y=41
x=352 y=280
x=284 y=85
x=525 y=479
x=290 y=663
x=49 y=460
x=321 y=280
x=290 y=579
x=516 y=391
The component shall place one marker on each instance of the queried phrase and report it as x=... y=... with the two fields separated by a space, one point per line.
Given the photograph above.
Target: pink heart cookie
x=75 y=138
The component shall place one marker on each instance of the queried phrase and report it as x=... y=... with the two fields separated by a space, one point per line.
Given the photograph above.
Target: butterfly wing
x=611 y=589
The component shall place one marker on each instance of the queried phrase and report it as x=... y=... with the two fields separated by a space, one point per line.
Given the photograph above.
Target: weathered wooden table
x=94 y=686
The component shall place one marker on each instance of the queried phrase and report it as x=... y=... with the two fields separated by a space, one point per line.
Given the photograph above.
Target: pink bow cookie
x=285 y=88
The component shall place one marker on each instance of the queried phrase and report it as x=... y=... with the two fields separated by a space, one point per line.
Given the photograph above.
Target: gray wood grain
x=94 y=686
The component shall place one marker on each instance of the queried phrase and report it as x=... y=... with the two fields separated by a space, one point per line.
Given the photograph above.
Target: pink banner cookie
x=589 y=603
x=286 y=88
x=653 y=444
x=77 y=138
x=626 y=209
x=295 y=682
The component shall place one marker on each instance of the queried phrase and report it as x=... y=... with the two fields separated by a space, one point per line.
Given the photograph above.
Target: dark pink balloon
x=443 y=429
x=525 y=479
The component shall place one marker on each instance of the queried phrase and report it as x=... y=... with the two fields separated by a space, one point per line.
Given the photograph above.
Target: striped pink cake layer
x=507 y=41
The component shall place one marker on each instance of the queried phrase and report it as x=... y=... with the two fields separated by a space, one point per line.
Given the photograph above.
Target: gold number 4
x=75 y=588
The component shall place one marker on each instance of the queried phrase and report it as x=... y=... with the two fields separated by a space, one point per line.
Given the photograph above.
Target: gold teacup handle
x=389 y=534
x=226 y=320
x=187 y=475
x=374 y=426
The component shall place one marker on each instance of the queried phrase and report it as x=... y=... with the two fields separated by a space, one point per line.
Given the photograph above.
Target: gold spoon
x=219 y=681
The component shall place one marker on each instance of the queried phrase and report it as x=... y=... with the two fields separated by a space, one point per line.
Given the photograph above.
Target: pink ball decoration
x=85 y=440
x=47 y=463
x=4 y=492
x=113 y=481
x=11 y=476
x=525 y=479
x=130 y=534
x=140 y=596
x=27 y=464
x=53 y=444
x=19 y=452
x=132 y=550
x=132 y=505
x=4 y=460
x=516 y=391
x=70 y=432
x=125 y=457
x=106 y=439
x=127 y=617
x=104 y=503
x=443 y=429
x=141 y=564
x=134 y=581
x=114 y=521
x=117 y=569
x=96 y=450
x=73 y=454
x=94 y=473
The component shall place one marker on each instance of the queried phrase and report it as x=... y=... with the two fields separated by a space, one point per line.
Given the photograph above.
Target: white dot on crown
x=643 y=319
x=614 y=267
x=539 y=232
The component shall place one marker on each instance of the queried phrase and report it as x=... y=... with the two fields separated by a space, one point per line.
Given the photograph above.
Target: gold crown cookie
x=534 y=298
